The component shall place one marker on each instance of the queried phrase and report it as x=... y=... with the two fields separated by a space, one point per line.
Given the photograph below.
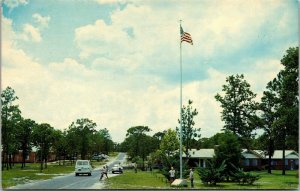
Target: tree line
x=79 y=140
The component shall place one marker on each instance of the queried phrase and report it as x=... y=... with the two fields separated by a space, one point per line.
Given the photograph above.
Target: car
x=117 y=168
x=83 y=167
x=97 y=157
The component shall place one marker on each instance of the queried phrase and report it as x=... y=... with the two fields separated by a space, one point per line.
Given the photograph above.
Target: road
x=70 y=181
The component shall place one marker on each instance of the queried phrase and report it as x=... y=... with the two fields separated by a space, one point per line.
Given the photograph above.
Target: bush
x=213 y=173
x=242 y=177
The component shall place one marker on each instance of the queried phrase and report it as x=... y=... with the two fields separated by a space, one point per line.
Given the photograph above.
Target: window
x=254 y=162
x=286 y=162
x=273 y=162
x=246 y=162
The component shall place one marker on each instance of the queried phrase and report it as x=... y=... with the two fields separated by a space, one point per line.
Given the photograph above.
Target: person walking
x=172 y=174
x=104 y=172
x=135 y=167
x=192 y=177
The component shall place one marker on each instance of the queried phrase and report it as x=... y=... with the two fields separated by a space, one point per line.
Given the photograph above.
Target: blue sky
x=117 y=62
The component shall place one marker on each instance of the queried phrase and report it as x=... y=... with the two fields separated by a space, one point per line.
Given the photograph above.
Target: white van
x=83 y=167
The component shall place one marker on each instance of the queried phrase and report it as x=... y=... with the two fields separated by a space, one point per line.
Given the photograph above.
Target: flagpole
x=180 y=108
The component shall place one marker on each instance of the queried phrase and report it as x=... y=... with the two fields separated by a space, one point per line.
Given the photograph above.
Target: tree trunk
x=10 y=162
x=269 y=160
x=283 y=152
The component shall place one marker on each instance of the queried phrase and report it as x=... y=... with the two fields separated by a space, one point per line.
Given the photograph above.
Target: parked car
x=83 y=167
x=97 y=157
x=117 y=168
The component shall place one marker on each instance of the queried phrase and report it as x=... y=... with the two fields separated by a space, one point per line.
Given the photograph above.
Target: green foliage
x=189 y=133
x=242 y=177
x=285 y=87
x=169 y=143
x=213 y=173
x=10 y=118
x=138 y=144
x=24 y=137
x=43 y=137
x=239 y=107
x=83 y=130
x=228 y=150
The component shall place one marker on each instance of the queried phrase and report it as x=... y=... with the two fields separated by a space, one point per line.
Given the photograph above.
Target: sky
x=117 y=62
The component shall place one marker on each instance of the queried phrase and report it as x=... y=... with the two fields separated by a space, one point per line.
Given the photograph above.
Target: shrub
x=213 y=173
x=242 y=177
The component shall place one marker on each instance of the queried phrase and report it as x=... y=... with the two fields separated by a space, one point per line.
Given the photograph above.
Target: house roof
x=248 y=154
x=289 y=154
x=252 y=154
x=201 y=154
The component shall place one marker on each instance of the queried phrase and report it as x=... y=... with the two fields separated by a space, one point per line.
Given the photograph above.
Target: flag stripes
x=185 y=36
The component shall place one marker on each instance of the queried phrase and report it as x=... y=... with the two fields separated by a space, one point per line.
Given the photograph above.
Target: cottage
x=291 y=160
x=252 y=159
x=198 y=157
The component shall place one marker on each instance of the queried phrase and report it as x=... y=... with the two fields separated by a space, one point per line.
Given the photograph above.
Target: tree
x=11 y=117
x=229 y=151
x=158 y=137
x=83 y=130
x=24 y=137
x=134 y=136
x=138 y=144
x=43 y=137
x=188 y=131
x=170 y=143
x=286 y=86
x=213 y=173
x=239 y=108
x=60 y=145
x=268 y=107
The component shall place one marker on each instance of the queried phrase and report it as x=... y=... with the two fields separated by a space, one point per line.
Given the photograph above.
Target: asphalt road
x=70 y=181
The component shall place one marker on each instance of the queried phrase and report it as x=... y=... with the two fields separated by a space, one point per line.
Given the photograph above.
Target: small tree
x=242 y=177
x=213 y=173
x=229 y=149
x=189 y=133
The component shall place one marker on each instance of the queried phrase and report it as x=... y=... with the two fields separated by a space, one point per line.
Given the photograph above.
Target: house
x=199 y=157
x=291 y=160
x=251 y=160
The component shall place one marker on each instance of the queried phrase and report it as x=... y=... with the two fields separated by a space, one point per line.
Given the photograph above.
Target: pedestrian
x=172 y=174
x=192 y=177
x=104 y=172
x=135 y=167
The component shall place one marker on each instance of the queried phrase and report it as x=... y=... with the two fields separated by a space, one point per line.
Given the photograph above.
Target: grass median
x=155 y=180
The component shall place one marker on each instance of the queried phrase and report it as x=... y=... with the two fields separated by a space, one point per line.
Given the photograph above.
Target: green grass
x=140 y=180
x=16 y=176
x=154 y=180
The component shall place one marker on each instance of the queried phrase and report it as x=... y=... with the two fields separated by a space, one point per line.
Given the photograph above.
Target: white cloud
x=15 y=3
x=118 y=82
x=31 y=33
x=41 y=21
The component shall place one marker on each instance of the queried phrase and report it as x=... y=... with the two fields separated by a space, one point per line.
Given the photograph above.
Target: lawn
x=140 y=180
x=16 y=176
x=154 y=180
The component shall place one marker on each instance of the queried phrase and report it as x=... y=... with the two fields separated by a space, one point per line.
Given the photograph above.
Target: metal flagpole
x=180 y=107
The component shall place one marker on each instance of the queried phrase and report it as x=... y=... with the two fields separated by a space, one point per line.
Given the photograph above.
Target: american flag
x=185 y=36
